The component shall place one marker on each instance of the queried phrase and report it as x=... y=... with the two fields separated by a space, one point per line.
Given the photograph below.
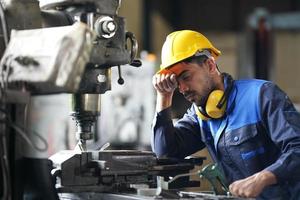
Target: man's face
x=194 y=81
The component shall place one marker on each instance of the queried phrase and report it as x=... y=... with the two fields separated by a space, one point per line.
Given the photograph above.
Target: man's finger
x=173 y=78
x=156 y=83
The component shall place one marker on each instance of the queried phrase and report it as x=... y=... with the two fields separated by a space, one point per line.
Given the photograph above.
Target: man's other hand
x=252 y=186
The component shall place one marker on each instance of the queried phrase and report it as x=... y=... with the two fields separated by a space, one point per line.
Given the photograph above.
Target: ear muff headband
x=216 y=102
x=229 y=81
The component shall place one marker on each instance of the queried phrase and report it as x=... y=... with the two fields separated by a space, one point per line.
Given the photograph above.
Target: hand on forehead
x=176 y=69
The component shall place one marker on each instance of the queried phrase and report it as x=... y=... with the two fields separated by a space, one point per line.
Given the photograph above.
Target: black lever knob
x=136 y=63
x=120 y=79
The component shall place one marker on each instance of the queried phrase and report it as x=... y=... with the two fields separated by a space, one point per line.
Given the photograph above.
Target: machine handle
x=136 y=63
x=134 y=45
x=120 y=80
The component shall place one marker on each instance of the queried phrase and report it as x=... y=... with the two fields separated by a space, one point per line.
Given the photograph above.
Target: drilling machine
x=69 y=46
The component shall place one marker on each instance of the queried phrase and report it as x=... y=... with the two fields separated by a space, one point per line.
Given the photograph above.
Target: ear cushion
x=211 y=105
x=211 y=109
x=201 y=114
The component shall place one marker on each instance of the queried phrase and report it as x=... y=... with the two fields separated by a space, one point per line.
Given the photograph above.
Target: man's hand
x=165 y=86
x=253 y=185
x=164 y=83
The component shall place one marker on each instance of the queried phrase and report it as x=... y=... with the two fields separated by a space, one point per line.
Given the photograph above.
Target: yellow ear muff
x=216 y=102
x=211 y=105
x=200 y=115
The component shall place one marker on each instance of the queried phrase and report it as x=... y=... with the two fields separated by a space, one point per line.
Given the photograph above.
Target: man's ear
x=212 y=67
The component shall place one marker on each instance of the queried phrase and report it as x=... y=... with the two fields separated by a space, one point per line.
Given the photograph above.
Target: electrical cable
x=4 y=162
x=17 y=128
x=5 y=169
x=23 y=134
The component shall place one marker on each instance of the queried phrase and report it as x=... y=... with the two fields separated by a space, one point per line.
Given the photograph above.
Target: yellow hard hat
x=183 y=44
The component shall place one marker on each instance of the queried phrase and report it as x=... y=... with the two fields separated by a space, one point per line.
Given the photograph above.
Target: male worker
x=250 y=127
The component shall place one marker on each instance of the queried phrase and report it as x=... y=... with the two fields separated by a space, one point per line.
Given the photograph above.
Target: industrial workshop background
x=258 y=38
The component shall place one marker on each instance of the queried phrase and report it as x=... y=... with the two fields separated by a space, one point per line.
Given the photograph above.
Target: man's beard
x=200 y=100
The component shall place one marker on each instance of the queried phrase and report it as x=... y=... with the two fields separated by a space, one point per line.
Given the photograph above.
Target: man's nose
x=182 y=87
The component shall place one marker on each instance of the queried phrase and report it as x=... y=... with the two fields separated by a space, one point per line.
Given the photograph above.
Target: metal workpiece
x=103 y=171
x=115 y=171
x=153 y=196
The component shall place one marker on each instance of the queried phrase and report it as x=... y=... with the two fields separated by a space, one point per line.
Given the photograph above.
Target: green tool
x=214 y=175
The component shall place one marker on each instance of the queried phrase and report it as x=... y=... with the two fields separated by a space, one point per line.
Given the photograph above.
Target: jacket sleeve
x=177 y=141
x=283 y=124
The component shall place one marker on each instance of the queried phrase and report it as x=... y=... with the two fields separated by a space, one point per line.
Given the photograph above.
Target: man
x=250 y=127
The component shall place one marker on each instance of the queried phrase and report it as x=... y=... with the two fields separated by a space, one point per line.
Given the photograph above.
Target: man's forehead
x=177 y=69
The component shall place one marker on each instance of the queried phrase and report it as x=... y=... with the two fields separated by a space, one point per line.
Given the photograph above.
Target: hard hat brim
x=170 y=70
x=164 y=71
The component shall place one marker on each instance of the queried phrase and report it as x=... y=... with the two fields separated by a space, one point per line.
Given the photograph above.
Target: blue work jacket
x=260 y=131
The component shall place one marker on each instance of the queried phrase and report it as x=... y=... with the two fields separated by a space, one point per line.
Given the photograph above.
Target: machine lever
x=136 y=63
x=120 y=80
x=104 y=146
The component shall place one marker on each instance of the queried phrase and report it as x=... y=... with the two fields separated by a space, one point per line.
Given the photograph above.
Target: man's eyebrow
x=183 y=72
